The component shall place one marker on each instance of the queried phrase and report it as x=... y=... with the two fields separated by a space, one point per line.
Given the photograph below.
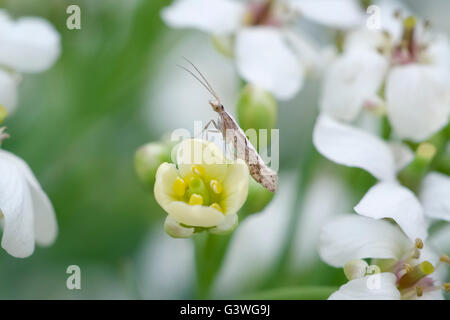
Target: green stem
x=305 y=174
x=210 y=251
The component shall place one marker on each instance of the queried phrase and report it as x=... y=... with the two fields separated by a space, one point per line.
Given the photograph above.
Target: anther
x=445 y=258
x=179 y=187
x=419 y=291
x=407 y=267
x=196 y=200
x=216 y=186
x=446 y=287
x=419 y=243
x=198 y=170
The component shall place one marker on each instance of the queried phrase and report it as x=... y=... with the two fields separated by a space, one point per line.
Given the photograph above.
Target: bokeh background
x=116 y=87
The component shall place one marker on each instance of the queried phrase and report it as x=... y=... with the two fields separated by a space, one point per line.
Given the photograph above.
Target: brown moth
x=232 y=133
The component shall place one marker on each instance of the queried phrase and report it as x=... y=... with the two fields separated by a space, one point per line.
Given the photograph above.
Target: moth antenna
x=211 y=90
x=198 y=79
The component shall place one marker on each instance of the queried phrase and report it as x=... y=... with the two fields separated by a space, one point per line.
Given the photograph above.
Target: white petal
x=435 y=195
x=313 y=58
x=351 y=237
x=418 y=101
x=391 y=200
x=440 y=239
x=8 y=91
x=379 y=286
x=333 y=13
x=215 y=16
x=45 y=224
x=353 y=147
x=402 y=154
x=264 y=59
x=16 y=206
x=352 y=79
x=29 y=44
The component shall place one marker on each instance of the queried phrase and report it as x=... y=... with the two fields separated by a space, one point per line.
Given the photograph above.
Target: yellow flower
x=204 y=191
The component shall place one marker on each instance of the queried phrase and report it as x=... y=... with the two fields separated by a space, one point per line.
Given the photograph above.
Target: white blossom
x=409 y=61
x=27 y=45
x=26 y=212
x=267 y=51
x=400 y=268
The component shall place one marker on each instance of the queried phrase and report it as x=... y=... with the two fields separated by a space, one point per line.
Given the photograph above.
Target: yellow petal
x=235 y=187
x=199 y=216
x=203 y=156
x=165 y=179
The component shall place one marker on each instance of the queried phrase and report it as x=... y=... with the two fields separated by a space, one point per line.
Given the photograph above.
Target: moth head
x=216 y=106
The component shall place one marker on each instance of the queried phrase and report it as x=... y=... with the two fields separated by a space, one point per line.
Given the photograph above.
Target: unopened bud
x=355 y=269
x=147 y=160
x=3 y=113
x=176 y=230
x=258 y=198
x=257 y=109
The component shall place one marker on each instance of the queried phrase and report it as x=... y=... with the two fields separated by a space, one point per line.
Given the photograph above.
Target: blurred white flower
x=256 y=244
x=403 y=269
x=353 y=147
x=25 y=210
x=165 y=267
x=27 y=45
x=411 y=62
x=435 y=195
x=268 y=53
x=327 y=196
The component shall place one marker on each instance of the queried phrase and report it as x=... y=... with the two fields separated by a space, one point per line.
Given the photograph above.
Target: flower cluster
x=399 y=75
x=262 y=36
x=27 y=45
x=384 y=107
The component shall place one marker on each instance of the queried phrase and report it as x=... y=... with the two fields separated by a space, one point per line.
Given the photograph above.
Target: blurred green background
x=78 y=126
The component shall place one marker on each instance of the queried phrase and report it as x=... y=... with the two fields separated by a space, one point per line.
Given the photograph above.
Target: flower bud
x=175 y=230
x=257 y=108
x=3 y=113
x=355 y=269
x=258 y=198
x=147 y=160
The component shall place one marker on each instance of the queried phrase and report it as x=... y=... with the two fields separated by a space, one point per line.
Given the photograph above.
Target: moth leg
x=206 y=128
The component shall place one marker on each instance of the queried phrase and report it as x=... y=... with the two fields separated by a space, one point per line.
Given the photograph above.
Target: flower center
x=197 y=190
x=413 y=278
x=262 y=13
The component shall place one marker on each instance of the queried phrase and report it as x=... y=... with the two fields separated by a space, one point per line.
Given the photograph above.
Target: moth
x=233 y=134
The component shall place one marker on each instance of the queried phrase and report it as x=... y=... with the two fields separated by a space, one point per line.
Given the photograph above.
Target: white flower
x=435 y=195
x=414 y=66
x=353 y=147
x=27 y=45
x=400 y=269
x=264 y=47
x=26 y=212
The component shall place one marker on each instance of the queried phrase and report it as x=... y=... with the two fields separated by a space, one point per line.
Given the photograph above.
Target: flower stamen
x=418 y=243
x=179 y=187
x=195 y=199
x=216 y=186
x=198 y=170
x=419 y=291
